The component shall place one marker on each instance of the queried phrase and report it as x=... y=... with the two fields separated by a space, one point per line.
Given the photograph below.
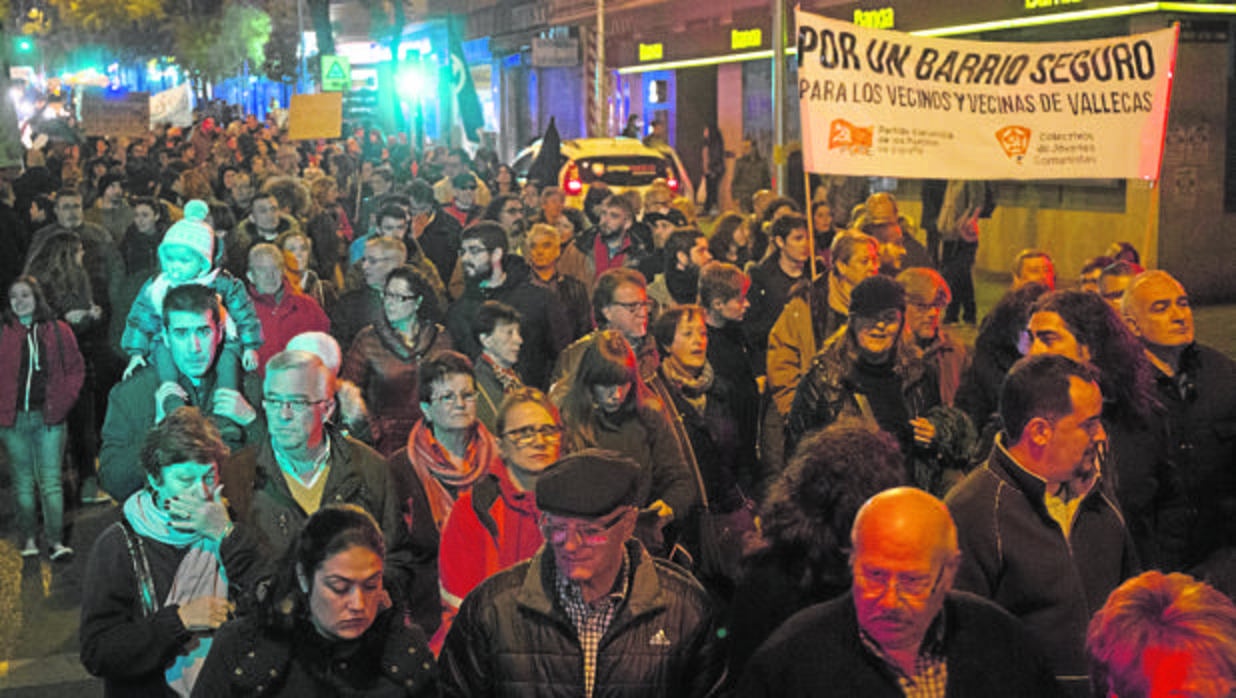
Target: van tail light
x=672 y=181
x=571 y=182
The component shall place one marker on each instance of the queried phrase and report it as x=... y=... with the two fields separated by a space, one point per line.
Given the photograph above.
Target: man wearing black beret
x=537 y=628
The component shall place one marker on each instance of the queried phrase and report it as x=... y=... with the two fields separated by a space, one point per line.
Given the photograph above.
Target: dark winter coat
x=543 y=321
x=513 y=638
x=1014 y=553
x=390 y=660
x=131 y=650
x=358 y=475
x=385 y=368
x=818 y=652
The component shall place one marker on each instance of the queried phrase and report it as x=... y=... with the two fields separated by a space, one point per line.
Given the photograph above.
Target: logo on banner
x=850 y=137
x=1015 y=140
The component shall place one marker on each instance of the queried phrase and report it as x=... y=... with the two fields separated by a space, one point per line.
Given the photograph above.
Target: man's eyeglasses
x=636 y=306
x=558 y=532
x=873 y=584
x=297 y=405
x=513 y=211
x=526 y=436
x=465 y=396
x=399 y=297
x=472 y=250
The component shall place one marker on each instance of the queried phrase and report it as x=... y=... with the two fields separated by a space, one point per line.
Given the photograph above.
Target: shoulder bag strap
x=141 y=568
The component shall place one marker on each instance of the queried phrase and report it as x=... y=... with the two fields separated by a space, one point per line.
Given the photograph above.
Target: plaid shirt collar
x=930 y=666
x=591 y=621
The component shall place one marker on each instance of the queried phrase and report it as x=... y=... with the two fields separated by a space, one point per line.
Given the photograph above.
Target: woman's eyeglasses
x=526 y=436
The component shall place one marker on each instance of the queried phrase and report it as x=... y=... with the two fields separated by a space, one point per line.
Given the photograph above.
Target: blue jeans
x=35 y=451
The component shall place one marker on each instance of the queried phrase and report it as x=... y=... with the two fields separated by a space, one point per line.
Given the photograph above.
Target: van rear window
x=622 y=171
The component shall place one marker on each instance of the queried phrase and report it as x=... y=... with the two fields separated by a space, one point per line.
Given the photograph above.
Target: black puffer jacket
x=391 y=660
x=513 y=638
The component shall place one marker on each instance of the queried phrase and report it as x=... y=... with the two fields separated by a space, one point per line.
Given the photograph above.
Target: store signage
x=1049 y=4
x=555 y=53
x=746 y=38
x=651 y=52
x=881 y=103
x=882 y=18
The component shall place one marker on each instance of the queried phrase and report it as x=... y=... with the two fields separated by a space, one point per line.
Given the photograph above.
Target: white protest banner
x=884 y=103
x=174 y=107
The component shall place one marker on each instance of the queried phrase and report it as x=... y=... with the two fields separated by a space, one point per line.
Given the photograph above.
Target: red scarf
x=443 y=476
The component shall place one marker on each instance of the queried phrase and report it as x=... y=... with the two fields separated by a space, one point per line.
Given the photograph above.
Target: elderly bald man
x=901 y=631
x=1197 y=387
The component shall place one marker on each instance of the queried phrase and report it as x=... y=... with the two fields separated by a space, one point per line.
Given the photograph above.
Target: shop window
x=658 y=91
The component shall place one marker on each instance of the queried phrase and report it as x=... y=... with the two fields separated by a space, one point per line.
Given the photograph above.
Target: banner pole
x=810 y=223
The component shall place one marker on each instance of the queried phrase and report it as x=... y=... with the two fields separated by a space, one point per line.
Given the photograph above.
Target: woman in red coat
x=496 y=523
x=40 y=355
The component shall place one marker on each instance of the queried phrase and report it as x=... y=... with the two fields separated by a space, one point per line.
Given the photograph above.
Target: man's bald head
x=906 y=516
x=1157 y=308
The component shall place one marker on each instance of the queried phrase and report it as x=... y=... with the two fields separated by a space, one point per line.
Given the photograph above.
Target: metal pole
x=599 y=96
x=300 y=27
x=778 y=95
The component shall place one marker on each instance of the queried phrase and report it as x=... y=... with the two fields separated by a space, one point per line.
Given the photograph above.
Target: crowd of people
x=391 y=422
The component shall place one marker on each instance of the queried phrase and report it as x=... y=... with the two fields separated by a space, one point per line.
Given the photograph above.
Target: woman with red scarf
x=448 y=451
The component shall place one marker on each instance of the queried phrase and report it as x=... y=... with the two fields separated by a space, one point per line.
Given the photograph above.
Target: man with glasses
x=276 y=484
x=899 y=249
x=1114 y=279
x=1040 y=535
x=538 y=626
x=619 y=302
x=492 y=273
x=901 y=631
x=193 y=331
x=449 y=450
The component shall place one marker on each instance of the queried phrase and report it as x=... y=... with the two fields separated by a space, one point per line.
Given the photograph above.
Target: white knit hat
x=192 y=233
